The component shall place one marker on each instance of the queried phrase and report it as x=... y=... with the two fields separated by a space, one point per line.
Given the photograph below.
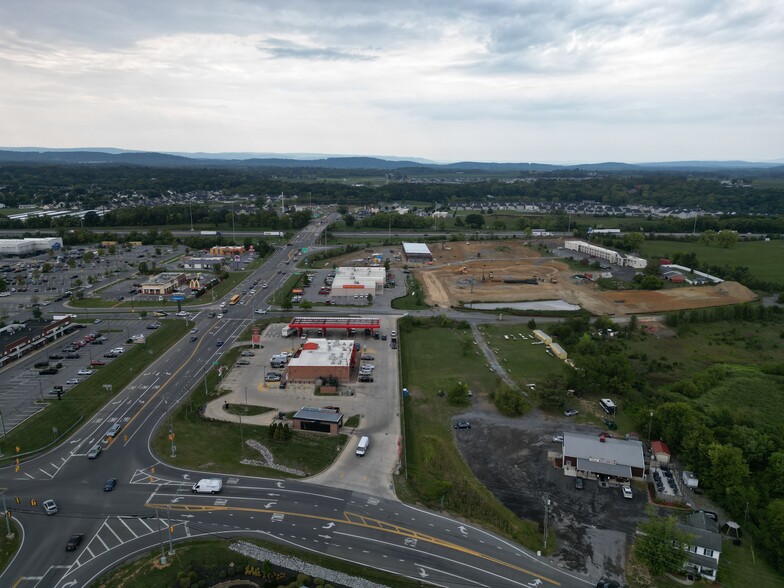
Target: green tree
x=509 y=402
x=708 y=237
x=306 y=305
x=458 y=394
x=349 y=219
x=37 y=312
x=499 y=225
x=475 y=221
x=656 y=545
x=459 y=222
x=772 y=527
x=726 y=238
x=727 y=475
x=532 y=324
x=88 y=256
x=633 y=241
x=370 y=299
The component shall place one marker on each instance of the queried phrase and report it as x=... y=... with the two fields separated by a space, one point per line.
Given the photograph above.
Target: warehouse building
x=163 y=283
x=610 y=255
x=25 y=247
x=589 y=456
x=321 y=359
x=417 y=252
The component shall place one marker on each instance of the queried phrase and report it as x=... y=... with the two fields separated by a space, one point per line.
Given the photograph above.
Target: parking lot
x=381 y=298
x=375 y=402
x=27 y=386
x=593 y=525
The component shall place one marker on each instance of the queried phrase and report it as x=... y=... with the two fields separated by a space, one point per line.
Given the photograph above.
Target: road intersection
x=153 y=507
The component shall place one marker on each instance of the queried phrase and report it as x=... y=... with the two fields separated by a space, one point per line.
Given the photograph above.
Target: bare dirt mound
x=644 y=301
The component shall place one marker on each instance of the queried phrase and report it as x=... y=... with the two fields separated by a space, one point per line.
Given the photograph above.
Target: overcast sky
x=549 y=81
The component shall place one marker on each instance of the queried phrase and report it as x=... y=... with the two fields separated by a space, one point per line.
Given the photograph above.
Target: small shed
x=661 y=452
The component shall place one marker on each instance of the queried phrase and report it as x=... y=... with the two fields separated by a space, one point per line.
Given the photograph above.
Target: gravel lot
x=593 y=526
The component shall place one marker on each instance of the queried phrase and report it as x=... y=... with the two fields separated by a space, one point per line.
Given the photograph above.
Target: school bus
x=234 y=300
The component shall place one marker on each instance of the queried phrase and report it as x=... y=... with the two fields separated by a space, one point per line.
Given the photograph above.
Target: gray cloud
x=407 y=76
x=282 y=49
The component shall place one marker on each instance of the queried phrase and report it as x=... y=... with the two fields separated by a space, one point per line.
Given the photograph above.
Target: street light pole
x=650 y=424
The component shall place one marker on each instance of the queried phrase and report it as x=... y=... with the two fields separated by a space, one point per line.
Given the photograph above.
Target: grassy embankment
x=434 y=358
x=413 y=299
x=81 y=402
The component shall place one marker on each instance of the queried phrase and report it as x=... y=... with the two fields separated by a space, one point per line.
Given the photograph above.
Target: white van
x=362 y=446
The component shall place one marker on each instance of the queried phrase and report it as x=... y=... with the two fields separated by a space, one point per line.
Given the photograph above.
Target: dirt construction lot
x=488 y=264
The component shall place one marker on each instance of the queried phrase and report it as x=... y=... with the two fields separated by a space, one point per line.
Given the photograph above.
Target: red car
x=97 y=362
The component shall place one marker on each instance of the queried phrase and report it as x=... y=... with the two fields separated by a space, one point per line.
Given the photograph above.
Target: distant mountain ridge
x=112 y=156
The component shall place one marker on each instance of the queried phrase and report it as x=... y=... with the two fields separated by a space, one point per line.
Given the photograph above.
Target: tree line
x=93 y=186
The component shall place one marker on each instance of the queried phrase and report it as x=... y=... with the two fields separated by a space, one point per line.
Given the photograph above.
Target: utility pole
x=546 y=500
x=650 y=424
x=7 y=518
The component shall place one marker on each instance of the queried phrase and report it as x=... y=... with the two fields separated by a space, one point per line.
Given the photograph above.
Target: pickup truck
x=208 y=486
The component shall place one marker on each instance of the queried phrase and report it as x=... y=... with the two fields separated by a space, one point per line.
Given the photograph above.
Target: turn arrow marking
x=422 y=572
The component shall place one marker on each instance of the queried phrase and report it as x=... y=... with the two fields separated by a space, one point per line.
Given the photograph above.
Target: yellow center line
x=378 y=525
x=166 y=383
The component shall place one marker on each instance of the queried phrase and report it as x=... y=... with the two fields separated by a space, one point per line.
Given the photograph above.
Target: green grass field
x=434 y=359
x=765 y=259
x=767 y=408
x=700 y=346
x=526 y=363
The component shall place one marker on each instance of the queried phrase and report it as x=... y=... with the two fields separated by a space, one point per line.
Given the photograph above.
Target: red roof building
x=661 y=452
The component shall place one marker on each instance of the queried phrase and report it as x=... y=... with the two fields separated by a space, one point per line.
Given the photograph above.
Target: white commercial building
x=607 y=254
x=358 y=280
x=21 y=247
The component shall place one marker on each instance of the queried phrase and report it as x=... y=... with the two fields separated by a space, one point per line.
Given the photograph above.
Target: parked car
x=610 y=424
x=109 y=484
x=365 y=378
x=557 y=438
x=627 y=492
x=578 y=483
x=73 y=381
x=570 y=412
x=368 y=357
x=462 y=425
x=248 y=354
x=74 y=541
x=85 y=372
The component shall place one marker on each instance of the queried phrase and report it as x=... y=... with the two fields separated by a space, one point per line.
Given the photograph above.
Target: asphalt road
x=152 y=496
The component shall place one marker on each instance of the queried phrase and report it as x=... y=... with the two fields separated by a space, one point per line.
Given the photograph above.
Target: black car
x=365 y=378
x=578 y=483
x=74 y=541
x=462 y=425
x=193 y=338
x=610 y=424
x=109 y=484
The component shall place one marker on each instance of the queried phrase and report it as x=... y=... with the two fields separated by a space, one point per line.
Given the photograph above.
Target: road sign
x=178 y=298
x=304 y=250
